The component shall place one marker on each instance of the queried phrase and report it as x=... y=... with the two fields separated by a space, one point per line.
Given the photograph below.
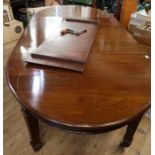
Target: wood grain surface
x=68 y=46
x=66 y=51
x=114 y=88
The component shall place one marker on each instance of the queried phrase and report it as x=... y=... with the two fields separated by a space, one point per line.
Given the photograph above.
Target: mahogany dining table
x=113 y=91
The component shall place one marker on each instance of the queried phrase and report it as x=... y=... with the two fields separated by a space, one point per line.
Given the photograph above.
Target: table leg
x=131 y=129
x=33 y=127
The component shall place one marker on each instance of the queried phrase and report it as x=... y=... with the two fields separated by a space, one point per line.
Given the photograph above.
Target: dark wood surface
x=64 y=50
x=66 y=47
x=112 y=91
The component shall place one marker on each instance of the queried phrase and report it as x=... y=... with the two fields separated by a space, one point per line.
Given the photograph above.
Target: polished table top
x=113 y=89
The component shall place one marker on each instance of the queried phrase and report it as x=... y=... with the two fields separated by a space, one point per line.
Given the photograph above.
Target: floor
x=57 y=142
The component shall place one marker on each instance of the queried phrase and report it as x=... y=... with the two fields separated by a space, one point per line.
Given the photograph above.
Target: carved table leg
x=33 y=126
x=131 y=129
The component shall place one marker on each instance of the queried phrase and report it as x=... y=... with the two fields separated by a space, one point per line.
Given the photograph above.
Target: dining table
x=113 y=90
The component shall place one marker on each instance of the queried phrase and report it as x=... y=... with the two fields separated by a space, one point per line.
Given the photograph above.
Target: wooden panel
x=128 y=7
x=66 y=51
x=56 y=63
